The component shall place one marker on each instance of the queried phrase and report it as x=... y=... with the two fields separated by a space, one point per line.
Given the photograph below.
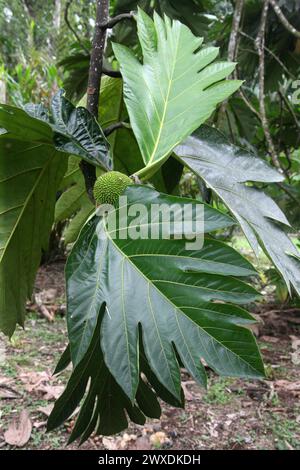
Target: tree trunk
x=94 y=82
x=2 y=91
x=57 y=16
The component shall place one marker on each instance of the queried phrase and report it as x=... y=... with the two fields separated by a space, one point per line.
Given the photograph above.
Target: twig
x=275 y=57
x=280 y=311
x=288 y=157
x=290 y=109
x=42 y=309
x=110 y=23
x=113 y=127
x=229 y=126
x=247 y=102
x=94 y=82
x=67 y=21
x=111 y=73
x=281 y=186
x=284 y=20
x=260 y=46
x=240 y=91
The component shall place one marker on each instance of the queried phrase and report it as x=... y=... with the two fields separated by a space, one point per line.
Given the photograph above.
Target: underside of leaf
x=175 y=89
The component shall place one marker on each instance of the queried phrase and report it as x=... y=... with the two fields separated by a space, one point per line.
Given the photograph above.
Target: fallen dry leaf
x=51 y=392
x=39 y=424
x=5 y=381
x=286 y=385
x=295 y=342
x=126 y=440
x=141 y=443
x=269 y=339
x=110 y=443
x=187 y=394
x=38 y=382
x=46 y=410
x=7 y=392
x=33 y=380
x=19 y=430
x=158 y=439
x=295 y=355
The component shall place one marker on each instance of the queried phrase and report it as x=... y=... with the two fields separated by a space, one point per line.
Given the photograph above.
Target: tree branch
x=291 y=110
x=260 y=46
x=249 y=104
x=111 y=73
x=114 y=127
x=110 y=23
x=94 y=83
x=67 y=21
x=284 y=21
x=275 y=57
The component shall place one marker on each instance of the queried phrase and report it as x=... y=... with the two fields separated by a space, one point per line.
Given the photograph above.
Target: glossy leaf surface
x=226 y=169
x=168 y=290
x=30 y=174
x=175 y=89
x=69 y=129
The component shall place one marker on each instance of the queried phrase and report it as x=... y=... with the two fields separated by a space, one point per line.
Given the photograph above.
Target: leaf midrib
x=176 y=307
x=166 y=103
x=26 y=202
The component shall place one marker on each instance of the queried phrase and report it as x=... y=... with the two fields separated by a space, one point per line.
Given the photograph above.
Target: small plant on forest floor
x=286 y=433
x=218 y=393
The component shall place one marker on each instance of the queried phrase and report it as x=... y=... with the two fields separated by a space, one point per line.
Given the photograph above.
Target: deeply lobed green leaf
x=168 y=290
x=69 y=129
x=226 y=168
x=175 y=89
x=30 y=174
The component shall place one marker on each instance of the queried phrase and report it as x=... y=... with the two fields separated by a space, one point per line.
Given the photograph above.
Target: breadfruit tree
x=139 y=309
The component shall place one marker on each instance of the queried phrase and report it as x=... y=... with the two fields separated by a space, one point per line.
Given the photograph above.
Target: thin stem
x=110 y=23
x=114 y=127
x=249 y=104
x=284 y=21
x=275 y=57
x=291 y=110
x=68 y=23
x=111 y=73
x=281 y=186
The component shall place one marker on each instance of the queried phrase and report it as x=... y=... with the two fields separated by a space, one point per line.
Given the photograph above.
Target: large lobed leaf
x=70 y=130
x=138 y=310
x=176 y=296
x=175 y=89
x=34 y=147
x=226 y=169
x=127 y=157
x=105 y=405
x=30 y=174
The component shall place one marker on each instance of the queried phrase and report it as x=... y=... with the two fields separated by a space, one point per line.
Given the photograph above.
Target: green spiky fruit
x=110 y=186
